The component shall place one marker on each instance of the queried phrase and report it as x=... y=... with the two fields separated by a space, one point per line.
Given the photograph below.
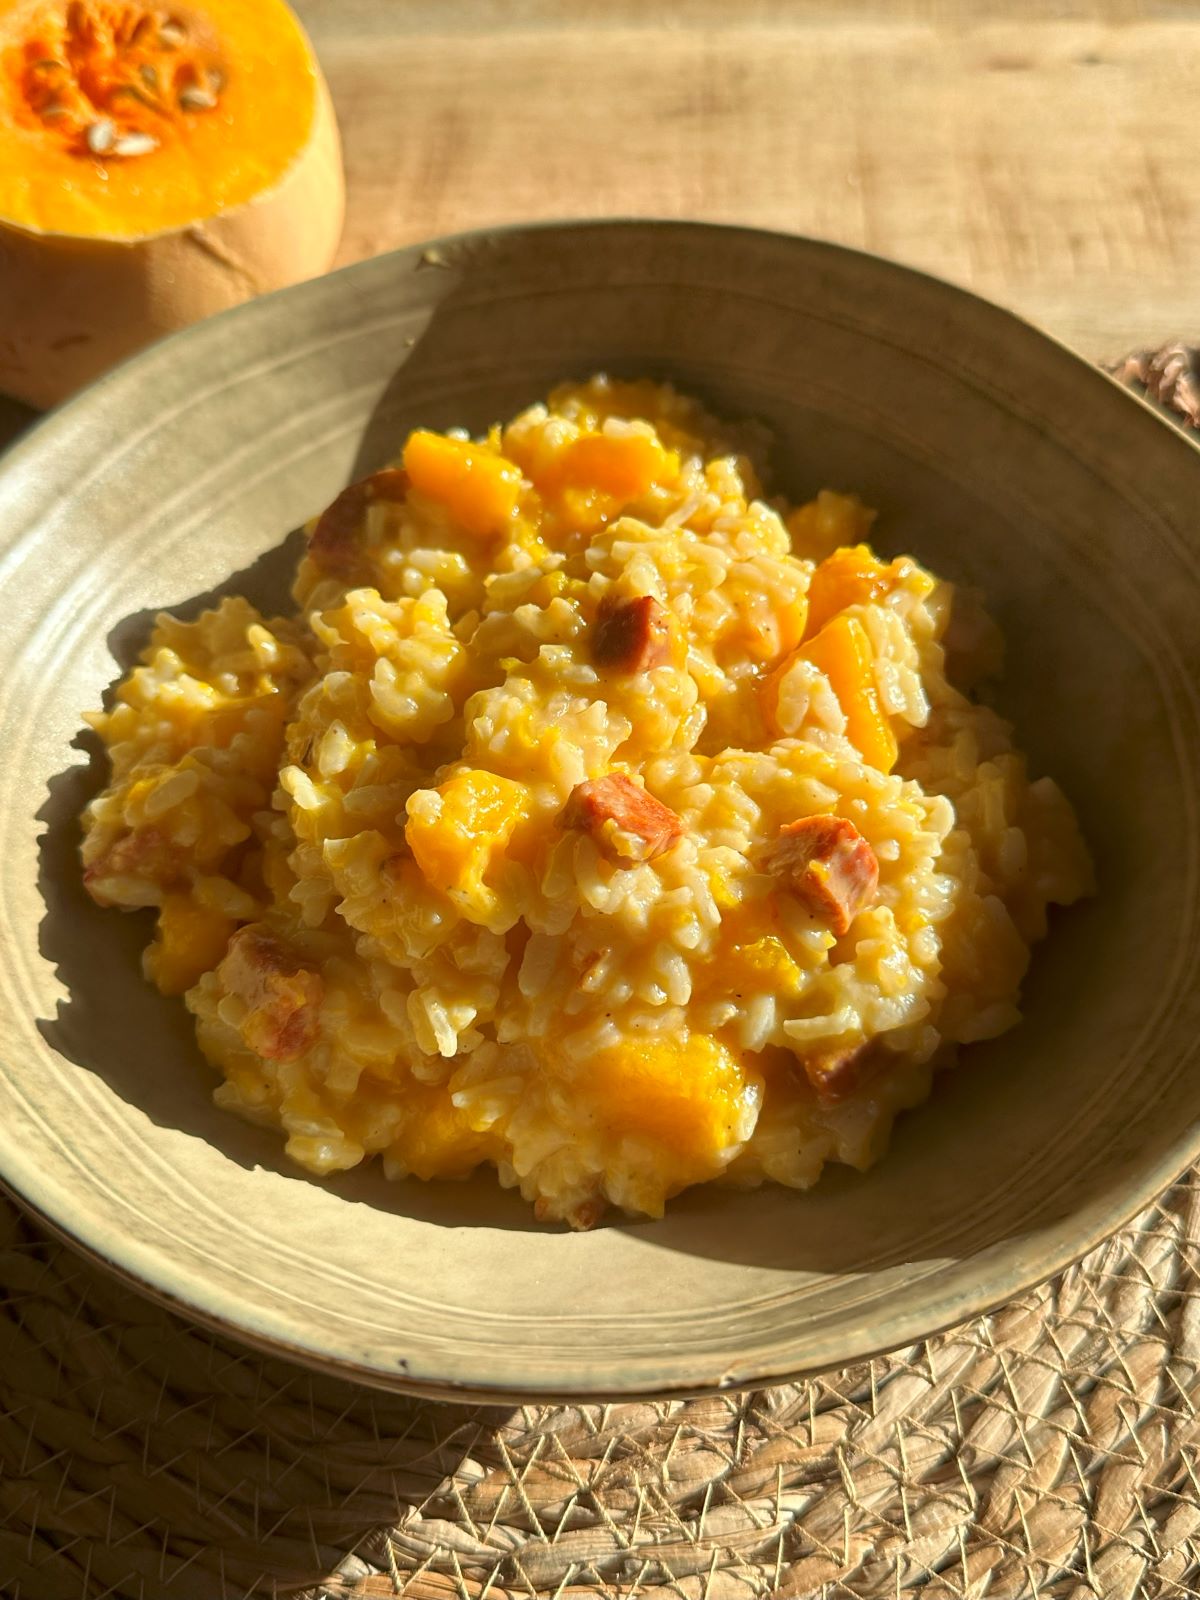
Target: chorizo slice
x=632 y=635
x=642 y=826
x=335 y=544
x=141 y=853
x=837 y=1074
x=828 y=865
x=583 y=1217
x=283 y=996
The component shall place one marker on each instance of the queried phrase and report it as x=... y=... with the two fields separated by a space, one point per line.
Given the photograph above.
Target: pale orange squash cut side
x=157 y=164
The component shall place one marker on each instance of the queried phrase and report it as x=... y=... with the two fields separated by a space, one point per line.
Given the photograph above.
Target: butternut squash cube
x=479 y=488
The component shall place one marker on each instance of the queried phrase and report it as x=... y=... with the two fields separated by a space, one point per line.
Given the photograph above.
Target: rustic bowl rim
x=187 y=1295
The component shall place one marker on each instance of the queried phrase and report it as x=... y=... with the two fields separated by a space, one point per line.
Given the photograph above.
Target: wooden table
x=1050 y=164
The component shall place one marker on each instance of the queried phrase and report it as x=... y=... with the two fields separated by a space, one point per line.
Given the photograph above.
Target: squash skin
x=71 y=307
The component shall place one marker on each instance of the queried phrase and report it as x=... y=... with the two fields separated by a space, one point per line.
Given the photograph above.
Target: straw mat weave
x=1048 y=1450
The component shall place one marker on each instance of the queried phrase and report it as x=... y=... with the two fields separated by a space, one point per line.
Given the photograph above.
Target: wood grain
x=1050 y=165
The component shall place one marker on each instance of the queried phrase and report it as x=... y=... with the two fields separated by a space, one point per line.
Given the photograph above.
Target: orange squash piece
x=156 y=165
x=843 y=653
x=435 y=1139
x=850 y=576
x=590 y=479
x=625 y=466
x=458 y=842
x=190 y=940
x=479 y=488
x=679 y=1090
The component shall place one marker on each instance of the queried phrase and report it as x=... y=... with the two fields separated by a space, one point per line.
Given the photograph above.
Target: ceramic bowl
x=993 y=454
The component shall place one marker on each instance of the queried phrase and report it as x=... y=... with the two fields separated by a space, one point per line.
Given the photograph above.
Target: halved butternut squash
x=157 y=164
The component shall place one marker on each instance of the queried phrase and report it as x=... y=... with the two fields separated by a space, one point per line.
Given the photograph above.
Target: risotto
x=593 y=816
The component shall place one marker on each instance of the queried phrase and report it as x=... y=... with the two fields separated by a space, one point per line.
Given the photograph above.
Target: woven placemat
x=1048 y=1450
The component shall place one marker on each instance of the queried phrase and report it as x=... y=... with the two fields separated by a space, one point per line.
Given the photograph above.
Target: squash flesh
x=842 y=652
x=848 y=577
x=206 y=161
x=478 y=488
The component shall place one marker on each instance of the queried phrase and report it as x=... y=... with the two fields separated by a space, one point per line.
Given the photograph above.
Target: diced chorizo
x=335 y=542
x=828 y=864
x=583 y=1216
x=283 y=996
x=141 y=853
x=837 y=1074
x=632 y=635
x=642 y=827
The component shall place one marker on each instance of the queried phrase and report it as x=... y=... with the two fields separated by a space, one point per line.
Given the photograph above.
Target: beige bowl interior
x=993 y=454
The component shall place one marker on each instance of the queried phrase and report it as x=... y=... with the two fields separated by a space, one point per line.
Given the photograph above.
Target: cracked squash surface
x=157 y=164
x=594 y=818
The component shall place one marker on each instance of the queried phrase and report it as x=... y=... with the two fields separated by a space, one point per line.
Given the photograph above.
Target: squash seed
x=135 y=144
x=100 y=136
x=130 y=91
x=193 y=98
